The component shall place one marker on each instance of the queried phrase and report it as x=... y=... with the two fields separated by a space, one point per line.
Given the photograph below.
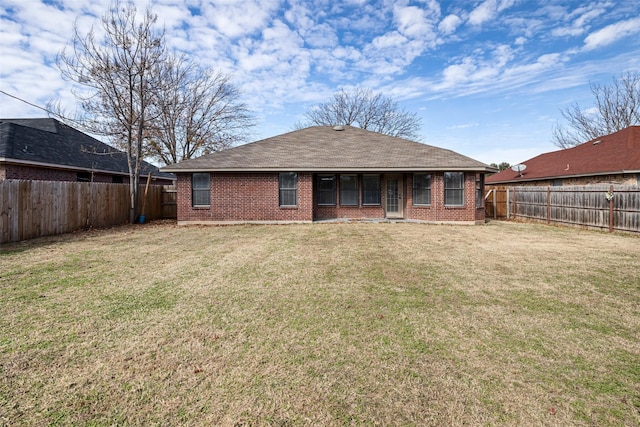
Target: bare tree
x=117 y=77
x=367 y=110
x=198 y=112
x=617 y=106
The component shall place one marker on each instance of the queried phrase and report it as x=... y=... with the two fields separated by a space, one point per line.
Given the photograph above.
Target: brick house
x=324 y=172
x=610 y=159
x=46 y=149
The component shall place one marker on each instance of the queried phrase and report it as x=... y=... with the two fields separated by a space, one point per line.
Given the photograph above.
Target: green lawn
x=322 y=324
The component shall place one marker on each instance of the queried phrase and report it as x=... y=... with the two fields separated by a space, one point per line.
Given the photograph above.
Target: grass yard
x=323 y=324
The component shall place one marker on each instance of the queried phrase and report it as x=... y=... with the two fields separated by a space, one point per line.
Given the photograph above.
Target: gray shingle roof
x=48 y=142
x=321 y=148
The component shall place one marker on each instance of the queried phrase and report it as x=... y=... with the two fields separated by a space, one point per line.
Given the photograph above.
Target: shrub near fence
x=30 y=209
x=612 y=207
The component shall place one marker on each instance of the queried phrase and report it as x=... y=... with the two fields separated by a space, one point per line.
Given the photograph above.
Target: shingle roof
x=48 y=142
x=321 y=148
x=611 y=154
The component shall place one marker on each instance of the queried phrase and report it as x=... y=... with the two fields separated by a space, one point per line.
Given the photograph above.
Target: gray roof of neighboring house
x=47 y=142
x=322 y=148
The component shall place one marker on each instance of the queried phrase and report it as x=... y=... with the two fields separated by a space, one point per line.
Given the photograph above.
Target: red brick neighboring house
x=610 y=159
x=46 y=149
x=325 y=172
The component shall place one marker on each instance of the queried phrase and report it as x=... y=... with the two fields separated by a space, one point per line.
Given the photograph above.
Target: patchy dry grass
x=324 y=324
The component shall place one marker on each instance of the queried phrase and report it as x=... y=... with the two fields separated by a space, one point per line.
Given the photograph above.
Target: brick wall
x=437 y=211
x=254 y=197
x=37 y=174
x=30 y=173
x=245 y=197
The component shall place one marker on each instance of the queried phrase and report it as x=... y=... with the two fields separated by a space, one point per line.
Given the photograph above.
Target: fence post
x=495 y=203
x=611 y=210
x=548 y=204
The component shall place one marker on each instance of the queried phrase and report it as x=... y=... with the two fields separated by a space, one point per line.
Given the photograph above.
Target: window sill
x=289 y=207
x=455 y=207
x=201 y=207
x=421 y=206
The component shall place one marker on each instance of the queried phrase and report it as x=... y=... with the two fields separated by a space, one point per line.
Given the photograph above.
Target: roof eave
x=72 y=168
x=515 y=181
x=330 y=169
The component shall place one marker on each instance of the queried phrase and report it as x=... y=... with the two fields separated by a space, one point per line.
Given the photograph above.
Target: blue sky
x=488 y=78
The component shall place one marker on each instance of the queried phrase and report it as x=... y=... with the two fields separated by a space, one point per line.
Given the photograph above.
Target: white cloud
x=463 y=126
x=520 y=41
x=485 y=11
x=392 y=40
x=449 y=24
x=411 y=21
x=612 y=33
x=488 y=10
x=476 y=69
x=236 y=19
x=583 y=16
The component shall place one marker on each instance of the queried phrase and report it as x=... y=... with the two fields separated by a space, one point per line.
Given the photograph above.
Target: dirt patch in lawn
x=321 y=324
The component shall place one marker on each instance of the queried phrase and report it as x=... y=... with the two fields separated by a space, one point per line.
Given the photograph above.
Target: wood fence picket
x=30 y=209
x=612 y=207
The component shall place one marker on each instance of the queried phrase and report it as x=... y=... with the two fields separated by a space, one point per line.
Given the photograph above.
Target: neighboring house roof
x=50 y=143
x=618 y=153
x=323 y=148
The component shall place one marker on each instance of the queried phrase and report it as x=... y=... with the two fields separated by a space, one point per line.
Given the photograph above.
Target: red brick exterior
x=10 y=171
x=245 y=197
x=437 y=211
x=254 y=197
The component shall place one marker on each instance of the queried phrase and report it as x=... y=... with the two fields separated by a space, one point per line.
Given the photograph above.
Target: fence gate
x=169 y=202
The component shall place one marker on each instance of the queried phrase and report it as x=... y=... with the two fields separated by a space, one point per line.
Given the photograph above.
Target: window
x=557 y=182
x=454 y=188
x=370 y=189
x=117 y=179
x=479 y=189
x=288 y=189
x=349 y=190
x=200 y=189
x=326 y=190
x=421 y=189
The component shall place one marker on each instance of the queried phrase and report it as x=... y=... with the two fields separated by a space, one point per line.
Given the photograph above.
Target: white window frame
x=285 y=188
x=199 y=188
x=450 y=192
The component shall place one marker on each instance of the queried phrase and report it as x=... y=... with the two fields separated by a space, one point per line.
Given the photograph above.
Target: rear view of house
x=325 y=172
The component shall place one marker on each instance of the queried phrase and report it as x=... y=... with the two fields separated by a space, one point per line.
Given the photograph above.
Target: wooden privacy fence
x=30 y=209
x=612 y=207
